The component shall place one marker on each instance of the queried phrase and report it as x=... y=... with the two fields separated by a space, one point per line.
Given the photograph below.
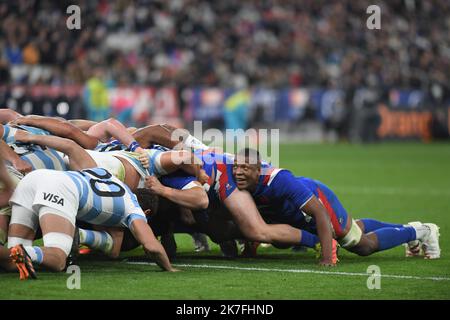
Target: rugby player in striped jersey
x=304 y=202
x=54 y=200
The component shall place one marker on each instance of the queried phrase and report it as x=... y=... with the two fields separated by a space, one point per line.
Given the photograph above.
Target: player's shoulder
x=178 y=179
x=274 y=176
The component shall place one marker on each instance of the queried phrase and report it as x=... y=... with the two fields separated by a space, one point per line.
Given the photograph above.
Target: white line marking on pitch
x=204 y=266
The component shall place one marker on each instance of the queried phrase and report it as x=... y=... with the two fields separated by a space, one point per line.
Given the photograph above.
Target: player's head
x=247 y=168
x=147 y=200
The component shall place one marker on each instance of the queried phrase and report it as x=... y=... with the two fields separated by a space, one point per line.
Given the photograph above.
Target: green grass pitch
x=390 y=182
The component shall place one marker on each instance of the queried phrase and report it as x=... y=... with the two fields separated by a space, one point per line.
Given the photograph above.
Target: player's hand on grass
x=174 y=270
x=152 y=183
x=327 y=263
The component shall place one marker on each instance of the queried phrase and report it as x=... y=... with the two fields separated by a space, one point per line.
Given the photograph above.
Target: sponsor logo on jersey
x=53 y=198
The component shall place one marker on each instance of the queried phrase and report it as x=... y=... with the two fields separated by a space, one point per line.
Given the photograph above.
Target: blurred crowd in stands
x=229 y=44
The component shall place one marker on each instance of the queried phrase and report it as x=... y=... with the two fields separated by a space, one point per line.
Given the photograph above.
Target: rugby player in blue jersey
x=54 y=200
x=223 y=193
x=299 y=201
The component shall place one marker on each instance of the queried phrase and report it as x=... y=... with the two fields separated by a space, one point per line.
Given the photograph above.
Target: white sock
x=14 y=241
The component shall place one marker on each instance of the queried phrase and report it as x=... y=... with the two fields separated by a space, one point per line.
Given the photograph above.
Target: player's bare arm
x=144 y=235
x=167 y=136
x=8 y=115
x=245 y=214
x=194 y=198
x=316 y=210
x=112 y=128
x=60 y=128
x=155 y=134
x=9 y=155
x=78 y=158
x=173 y=160
x=82 y=123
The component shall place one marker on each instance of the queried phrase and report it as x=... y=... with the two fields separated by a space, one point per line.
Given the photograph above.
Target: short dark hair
x=252 y=154
x=147 y=200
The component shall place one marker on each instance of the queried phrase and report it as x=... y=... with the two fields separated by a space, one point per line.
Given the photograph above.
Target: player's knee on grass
x=353 y=236
x=58 y=229
x=366 y=246
x=58 y=245
x=58 y=261
x=360 y=225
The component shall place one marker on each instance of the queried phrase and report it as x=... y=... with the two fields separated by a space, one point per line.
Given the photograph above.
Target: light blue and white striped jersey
x=114 y=145
x=133 y=158
x=104 y=199
x=36 y=156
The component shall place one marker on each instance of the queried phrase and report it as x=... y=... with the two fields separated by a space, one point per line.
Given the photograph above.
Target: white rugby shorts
x=48 y=188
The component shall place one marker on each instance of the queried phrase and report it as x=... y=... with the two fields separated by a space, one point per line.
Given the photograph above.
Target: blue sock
x=100 y=240
x=308 y=239
x=372 y=225
x=392 y=237
x=35 y=254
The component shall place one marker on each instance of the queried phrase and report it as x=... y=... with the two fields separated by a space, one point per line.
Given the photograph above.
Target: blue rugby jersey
x=177 y=180
x=36 y=156
x=221 y=167
x=287 y=194
x=104 y=199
